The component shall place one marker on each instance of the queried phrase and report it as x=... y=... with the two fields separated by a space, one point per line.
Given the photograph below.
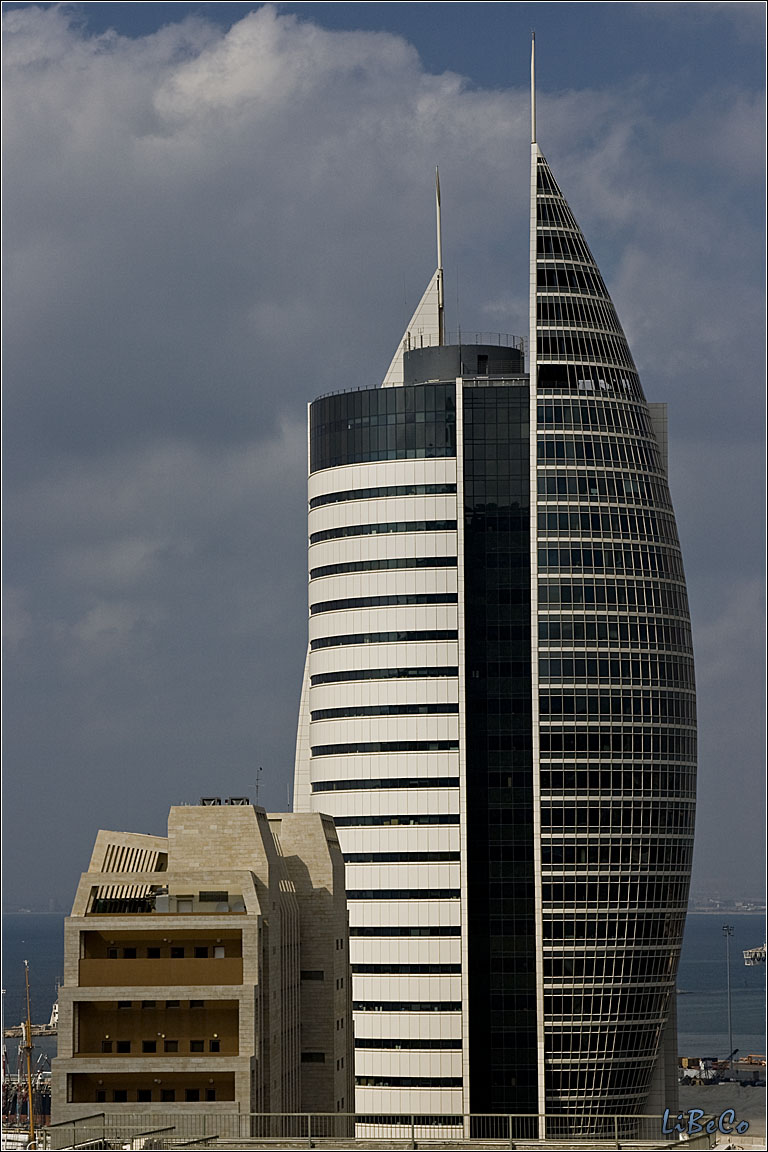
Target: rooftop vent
x=240 y=801
x=210 y=801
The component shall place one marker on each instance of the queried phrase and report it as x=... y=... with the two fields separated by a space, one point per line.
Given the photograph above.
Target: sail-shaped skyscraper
x=498 y=708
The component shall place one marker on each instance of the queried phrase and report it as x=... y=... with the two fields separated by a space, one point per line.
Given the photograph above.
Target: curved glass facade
x=616 y=693
x=405 y=423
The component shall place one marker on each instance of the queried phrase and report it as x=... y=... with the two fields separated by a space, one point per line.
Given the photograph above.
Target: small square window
x=129 y=953
x=197 y=1003
x=112 y=953
x=210 y=1093
x=148 y=1004
x=149 y=1045
x=101 y=1096
x=201 y=953
x=171 y=1045
x=153 y=953
x=173 y=1003
x=197 y=1046
x=122 y=1046
x=120 y=1096
x=143 y=1095
x=214 y=1045
x=191 y=1095
x=125 y=1003
x=106 y=1045
x=177 y=953
x=167 y=1095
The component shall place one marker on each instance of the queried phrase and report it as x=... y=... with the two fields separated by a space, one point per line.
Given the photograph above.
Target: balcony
x=144 y=899
x=163 y=973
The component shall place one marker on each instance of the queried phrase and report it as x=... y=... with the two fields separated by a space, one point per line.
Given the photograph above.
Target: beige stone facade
x=208 y=971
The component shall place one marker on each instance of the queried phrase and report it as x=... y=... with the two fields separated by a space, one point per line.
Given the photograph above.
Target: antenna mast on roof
x=533 y=87
x=440 y=298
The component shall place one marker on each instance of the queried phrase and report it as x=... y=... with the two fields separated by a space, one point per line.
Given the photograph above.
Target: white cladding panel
x=403 y=913
x=427 y=690
x=383 y=547
x=409 y=1025
x=380 y=473
x=407 y=989
x=393 y=581
x=392 y=509
x=417 y=654
x=386 y=728
x=405 y=950
x=393 y=802
x=390 y=618
x=411 y=1101
x=366 y=876
x=400 y=838
x=402 y=1062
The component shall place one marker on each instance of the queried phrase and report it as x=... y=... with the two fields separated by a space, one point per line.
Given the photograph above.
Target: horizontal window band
x=382 y=565
x=422 y=1121
x=433 y=634
x=406 y=1006
x=386 y=490
x=404 y=894
x=670 y=743
x=402 y=599
x=385 y=746
x=661 y=704
x=396 y=821
x=398 y=1044
x=394 y=931
x=635 y=630
x=401 y=857
x=381 y=674
x=392 y=782
x=385 y=710
x=406 y=970
x=376 y=452
x=408 y=1082
x=383 y=529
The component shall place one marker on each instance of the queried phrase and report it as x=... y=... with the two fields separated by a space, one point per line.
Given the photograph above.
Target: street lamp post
x=727 y=933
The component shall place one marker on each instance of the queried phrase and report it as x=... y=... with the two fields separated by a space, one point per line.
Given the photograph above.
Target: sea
x=702 y=1001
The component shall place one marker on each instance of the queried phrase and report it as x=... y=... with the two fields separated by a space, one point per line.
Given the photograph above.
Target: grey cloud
x=204 y=230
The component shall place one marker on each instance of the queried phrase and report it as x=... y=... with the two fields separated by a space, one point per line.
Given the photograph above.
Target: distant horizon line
x=730 y=908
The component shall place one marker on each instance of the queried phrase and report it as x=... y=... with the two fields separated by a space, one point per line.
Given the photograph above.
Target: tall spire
x=533 y=87
x=440 y=294
x=426 y=327
x=532 y=226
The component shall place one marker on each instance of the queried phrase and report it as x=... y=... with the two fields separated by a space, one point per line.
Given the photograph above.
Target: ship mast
x=28 y=1049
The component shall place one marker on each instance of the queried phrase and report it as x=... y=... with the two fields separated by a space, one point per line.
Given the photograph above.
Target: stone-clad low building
x=208 y=971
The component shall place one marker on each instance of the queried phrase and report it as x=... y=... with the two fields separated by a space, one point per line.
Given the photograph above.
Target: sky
x=212 y=214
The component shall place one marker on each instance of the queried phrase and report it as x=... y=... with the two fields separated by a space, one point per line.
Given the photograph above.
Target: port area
x=751 y=1070
x=747 y=1101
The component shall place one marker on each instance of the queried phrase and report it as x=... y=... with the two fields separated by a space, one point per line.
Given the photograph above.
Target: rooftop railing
x=229 y=1129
